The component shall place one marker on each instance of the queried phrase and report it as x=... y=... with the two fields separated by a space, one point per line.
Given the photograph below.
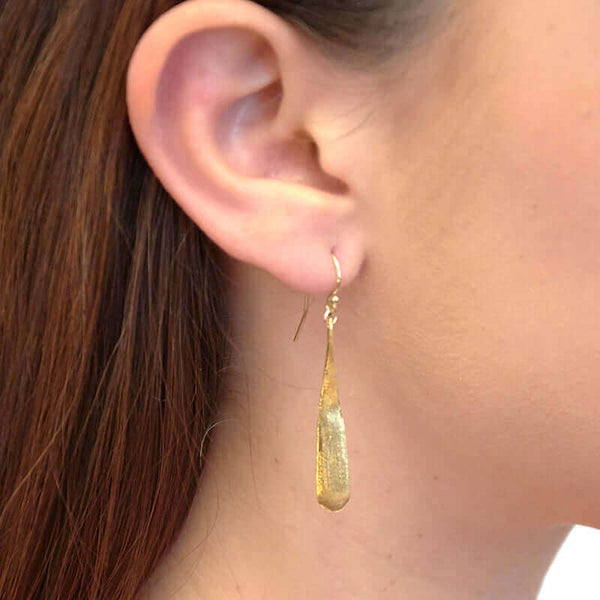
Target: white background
x=575 y=572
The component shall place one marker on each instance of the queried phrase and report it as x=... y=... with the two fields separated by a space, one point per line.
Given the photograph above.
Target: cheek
x=541 y=215
x=535 y=300
x=542 y=289
x=543 y=123
x=546 y=167
x=508 y=328
x=531 y=314
x=517 y=277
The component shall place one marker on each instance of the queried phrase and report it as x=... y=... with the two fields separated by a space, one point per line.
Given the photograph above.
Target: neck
x=425 y=521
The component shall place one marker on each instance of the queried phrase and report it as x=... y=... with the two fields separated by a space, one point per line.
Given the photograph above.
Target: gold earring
x=332 y=472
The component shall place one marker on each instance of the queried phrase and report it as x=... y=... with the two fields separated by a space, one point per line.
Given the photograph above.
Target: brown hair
x=114 y=328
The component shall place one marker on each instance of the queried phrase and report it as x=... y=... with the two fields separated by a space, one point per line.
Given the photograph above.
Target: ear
x=222 y=98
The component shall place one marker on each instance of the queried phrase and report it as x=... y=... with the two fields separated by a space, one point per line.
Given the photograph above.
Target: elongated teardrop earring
x=332 y=473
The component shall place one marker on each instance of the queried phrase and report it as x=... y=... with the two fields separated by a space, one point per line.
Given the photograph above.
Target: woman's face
x=487 y=249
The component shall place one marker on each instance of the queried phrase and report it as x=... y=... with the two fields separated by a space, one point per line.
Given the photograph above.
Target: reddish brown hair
x=113 y=325
x=114 y=329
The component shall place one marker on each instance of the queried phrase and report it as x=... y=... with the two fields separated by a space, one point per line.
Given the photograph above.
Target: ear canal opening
x=252 y=148
x=327 y=182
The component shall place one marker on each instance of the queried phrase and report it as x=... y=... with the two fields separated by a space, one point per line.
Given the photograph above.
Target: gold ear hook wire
x=332 y=301
x=306 y=307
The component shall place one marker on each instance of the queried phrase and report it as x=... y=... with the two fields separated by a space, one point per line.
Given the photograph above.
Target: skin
x=460 y=189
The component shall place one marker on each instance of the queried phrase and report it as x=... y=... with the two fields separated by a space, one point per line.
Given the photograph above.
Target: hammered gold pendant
x=333 y=473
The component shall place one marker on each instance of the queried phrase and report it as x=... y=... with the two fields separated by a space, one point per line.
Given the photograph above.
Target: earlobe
x=210 y=110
